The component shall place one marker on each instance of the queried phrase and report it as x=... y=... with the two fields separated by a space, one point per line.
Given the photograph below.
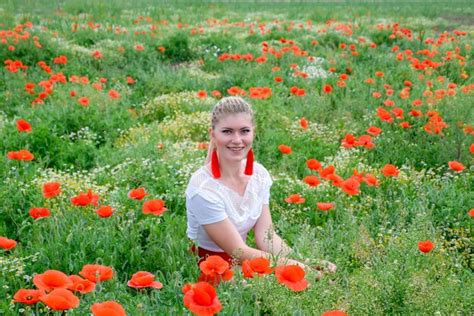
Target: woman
x=230 y=194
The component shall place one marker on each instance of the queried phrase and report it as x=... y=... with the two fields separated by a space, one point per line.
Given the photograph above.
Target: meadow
x=366 y=108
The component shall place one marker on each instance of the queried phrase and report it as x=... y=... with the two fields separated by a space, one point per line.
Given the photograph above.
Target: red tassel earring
x=249 y=165
x=215 y=165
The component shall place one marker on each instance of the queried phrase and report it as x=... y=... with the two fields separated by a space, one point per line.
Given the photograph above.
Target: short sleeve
x=267 y=184
x=206 y=211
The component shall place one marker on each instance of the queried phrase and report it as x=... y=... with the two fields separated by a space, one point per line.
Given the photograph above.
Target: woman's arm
x=226 y=236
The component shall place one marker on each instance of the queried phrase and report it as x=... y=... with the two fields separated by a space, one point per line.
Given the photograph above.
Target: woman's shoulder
x=200 y=181
x=261 y=171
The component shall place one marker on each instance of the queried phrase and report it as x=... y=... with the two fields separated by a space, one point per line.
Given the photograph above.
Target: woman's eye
x=246 y=131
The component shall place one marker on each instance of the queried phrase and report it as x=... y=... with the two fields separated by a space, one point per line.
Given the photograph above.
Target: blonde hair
x=227 y=106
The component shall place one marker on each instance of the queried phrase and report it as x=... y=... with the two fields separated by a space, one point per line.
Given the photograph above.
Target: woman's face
x=233 y=136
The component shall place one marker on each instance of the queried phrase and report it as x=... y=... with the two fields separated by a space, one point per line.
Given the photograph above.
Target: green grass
x=149 y=138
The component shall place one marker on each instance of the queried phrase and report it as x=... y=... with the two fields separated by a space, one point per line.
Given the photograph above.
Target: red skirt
x=204 y=253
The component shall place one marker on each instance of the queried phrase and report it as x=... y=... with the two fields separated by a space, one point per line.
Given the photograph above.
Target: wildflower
x=108 y=308
x=6 y=243
x=97 y=54
x=456 y=166
x=114 y=94
x=23 y=154
x=96 y=272
x=84 y=101
x=216 y=93
x=201 y=299
x=27 y=296
x=312 y=181
x=105 y=211
x=334 y=313
x=137 y=194
x=292 y=276
x=295 y=199
x=349 y=141
x=471 y=212
x=130 y=80
x=39 y=212
x=425 y=246
x=304 y=123
x=201 y=94
x=214 y=269
x=84 y=199
x=51 y=189
x=350 y=186
x=155 y=207
x=143 y=279
x=327 y=88
x=390 y=170
x=384 y=115
x=60 y=299
x=324 y=173
x=52 y=279
x=23 y=126
x=278 y=79
x=81 y=285
x=325 y=206
x=313 y=164
x=284 y=149
x=371 y=180
x=256 y=266
x=471 y=148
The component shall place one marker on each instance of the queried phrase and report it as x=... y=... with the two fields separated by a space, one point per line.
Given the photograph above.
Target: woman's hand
x=323 y=266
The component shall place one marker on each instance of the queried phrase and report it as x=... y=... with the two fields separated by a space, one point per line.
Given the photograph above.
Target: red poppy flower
x=325 y=206
x=278 y=79
x=456 y=166
x=108 y=308
x=304 y=123
x=23 y=126
x=313 y=164
x=84 y=199
x=96 y=272
x=51 y=189
x=201 y=94
x=471 y=212
x=27 y=296
x=81 y=285
x=292 y=276
x=137 y=194
x=371 y=180
x=324 y=173
x=374 y=131
x=130 y=80
x=39 y=212
x=425 y=246
x=390 y=170
x=334 y=313
x=471 y=148
x=216 y=93
x=350 y=186
x=114 y=94
x=20 y=155
x=201 y=299
x=84 y=101
x=6 y=243
x=143 y=279
x=327 y=88
x=284 y=149
x=256 y=266
x=105 y=211
x=155 y=207
x=52 y=279
x=214 y=268
x=384 y=115
x=60 y=299
x=311 y=180
x=349 y=141
x=295 y=199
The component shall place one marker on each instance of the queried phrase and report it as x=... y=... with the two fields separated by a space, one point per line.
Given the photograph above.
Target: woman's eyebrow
x=245 y=127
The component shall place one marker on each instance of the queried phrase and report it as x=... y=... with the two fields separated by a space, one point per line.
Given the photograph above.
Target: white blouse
x=210 y=201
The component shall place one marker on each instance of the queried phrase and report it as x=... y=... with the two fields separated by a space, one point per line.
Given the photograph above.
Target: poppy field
x=364 y=119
